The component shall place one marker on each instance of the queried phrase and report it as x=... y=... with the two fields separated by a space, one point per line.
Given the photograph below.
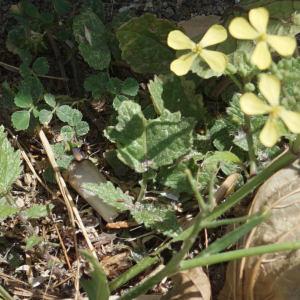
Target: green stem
x=281 y=162
x=239 y=85
x=249 y=138
x=237 y=254
x=143 y=184
x=296 y=145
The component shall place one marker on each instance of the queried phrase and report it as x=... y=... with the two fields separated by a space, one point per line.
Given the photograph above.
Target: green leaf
x=64 y=161
x=144 y=46
x=75 y=117
x=64 y=112
x=20 y=119
x=96 y=83
x=25 y=71
x=96 y=6
x=32 y=241
x=61 y=6
x=10 y=163
x=31 y=11
x=98 y=287
x=89 y=33
x=64 y=35
x=224 y=156
x=8 y=97
x=25 y=56
x=7 y=211
x=50 y=99
x=18 y=12
x=82 y=128
x=46 y=18
x=114 y=85
x=67 y=132
x=176 y=94
x=38 y=211
x=118 y=100
x=58 y=150
x=49 y=175
x=151 y=144
x=16 y=36
x=130 y=87
x=41 y=66
x=45 y=116
x=23 y=99
x=33 y=86
x=157 y=216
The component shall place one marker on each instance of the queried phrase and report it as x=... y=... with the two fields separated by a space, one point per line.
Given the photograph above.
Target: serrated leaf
x=25 y=71
x=38 y=211
x=23 y=99
x=96 y=83
x=130 y=87
x=96 y=51
x=31 y=10
x=25 y=56
x=67 y=132
x=46 y=18
x=144 y=46
x=41 y=66
x=32 y=241
x=45 y=116
x=6 y=210
x=144 y=144
x=75 y=117
x=96 y=6
x=61 y=6
x=64 y=112
x=98 y=287
x=157 y=216
x=33 y=86
x=118 y=100
x=82 y=128
x=176 y=94
x=110 y=195
x=10 y=163
x=114 y=85
x=20 y=119
x=50 y=99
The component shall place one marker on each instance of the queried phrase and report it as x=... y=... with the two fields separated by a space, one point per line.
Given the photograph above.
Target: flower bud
x=231 y=68
x=249 y=87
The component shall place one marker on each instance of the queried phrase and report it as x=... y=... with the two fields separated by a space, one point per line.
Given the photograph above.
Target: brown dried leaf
x=191 y=284
x=276 y=275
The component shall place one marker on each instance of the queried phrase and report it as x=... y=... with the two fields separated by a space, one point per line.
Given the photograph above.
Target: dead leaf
x=123 y=224
x=191 y=284
x=198 y=25
x=273 y=276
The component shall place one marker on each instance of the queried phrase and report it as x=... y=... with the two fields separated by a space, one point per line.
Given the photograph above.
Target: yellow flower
x=216 y=60
x=269 y=86
x=259 y=18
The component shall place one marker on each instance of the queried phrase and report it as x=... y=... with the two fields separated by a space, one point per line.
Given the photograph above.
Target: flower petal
x=214 y=35
x=284 y=45
x=261 y=56
x=179 y=41
x=270 y=134
x=216 y=60
x=291 y=119
x=252 y=105
x=259 y=18
x=269 y=85
x=239 y=28
x=183 y=64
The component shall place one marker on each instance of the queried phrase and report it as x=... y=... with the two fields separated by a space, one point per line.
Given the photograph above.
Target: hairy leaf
x=38 y=211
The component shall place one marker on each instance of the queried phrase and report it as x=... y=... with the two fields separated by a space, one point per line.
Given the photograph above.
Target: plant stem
x=239 y=85
x=143 y=184
x=249 y=138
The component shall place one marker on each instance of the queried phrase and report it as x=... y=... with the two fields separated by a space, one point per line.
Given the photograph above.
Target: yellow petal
x=259 y=18
x=252 y=105
x=239 y=28
x=270 y=134
x=261 y=56
x=215 y=34
x=179 y=41
x=269 y=85
x=284 y=45
x=291 y=119
x=216 y=60
x=183 y=64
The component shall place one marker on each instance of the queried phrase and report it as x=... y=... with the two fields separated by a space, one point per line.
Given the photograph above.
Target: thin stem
x=143 y=184
x=249 y=138
x=239 y=85
x=296 y=145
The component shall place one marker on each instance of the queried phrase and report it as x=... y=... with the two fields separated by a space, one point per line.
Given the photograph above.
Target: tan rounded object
x=82 y=172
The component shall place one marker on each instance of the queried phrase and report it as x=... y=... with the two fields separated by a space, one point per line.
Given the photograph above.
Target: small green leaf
x=8 y=97
x=98 y=287
x=25 y=56
x=64 y=161
x=61 y=6
x=41 y=66
x=64 y=112
x=6 y=210
x=114 y=85
x=96 y=83
x=64 y=35
x=82 y=128
x=49 y=175
x=38 y=211
x=118 y=100
x=58 y=150
x=75 y=117
x=45 y=116
x=25 y=71
x=23 y=99
x=46 y=18
x=32 y=241
x=50 y=99
x=67 y=132
x=130 y=87
x=20 y=119
x=33 y=86
x=31 y=11
x=224 y=156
